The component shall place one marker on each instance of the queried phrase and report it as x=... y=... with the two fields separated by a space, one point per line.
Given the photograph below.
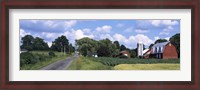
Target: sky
x=127 y=32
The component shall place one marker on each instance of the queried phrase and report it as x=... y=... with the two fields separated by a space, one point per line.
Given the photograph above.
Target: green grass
x=109 y=63
x=44 y=63
x=85 y=63
x=116 y=61
x=147 y=67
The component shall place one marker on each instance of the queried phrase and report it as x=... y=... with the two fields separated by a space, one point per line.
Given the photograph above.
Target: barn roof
x=159 y=47
x=161 y=44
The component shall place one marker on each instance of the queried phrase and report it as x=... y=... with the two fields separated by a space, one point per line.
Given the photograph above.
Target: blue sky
x=127 y=32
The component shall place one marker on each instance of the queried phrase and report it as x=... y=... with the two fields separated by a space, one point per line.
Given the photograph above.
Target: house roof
x=160 y=44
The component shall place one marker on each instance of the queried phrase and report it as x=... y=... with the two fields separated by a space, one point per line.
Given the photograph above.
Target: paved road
x=61 y=65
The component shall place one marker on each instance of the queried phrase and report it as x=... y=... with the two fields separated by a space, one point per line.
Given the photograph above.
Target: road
x=61 y=65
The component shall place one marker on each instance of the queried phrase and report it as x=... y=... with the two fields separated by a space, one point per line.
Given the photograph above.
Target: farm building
x=124 y=54
x=164 y=50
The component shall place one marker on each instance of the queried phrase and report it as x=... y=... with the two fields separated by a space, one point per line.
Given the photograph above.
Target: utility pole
x=64 y=50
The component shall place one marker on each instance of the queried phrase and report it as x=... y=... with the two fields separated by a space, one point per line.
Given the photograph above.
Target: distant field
x=44 y=59
x=147 y=67
x=109 y=63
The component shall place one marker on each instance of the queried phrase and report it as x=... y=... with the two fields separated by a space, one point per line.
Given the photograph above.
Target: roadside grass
x=46 y=61
x=159 y=66
x=85 y=63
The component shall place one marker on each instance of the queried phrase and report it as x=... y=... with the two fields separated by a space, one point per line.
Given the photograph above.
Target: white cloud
x=156 y=38
x=104 y=36
x=104 y=29
x=70 y=23
x=50 y=35
x=166 y=31
x=141 y=31
x=163 y=22
x=119 y=37
x=23 y=33
x=49 y=44
x=120 y=25
x=155 y=22
x=78 y=34
x=169 y=22
x=132 y=41
x=87 y=30
x=48 y=23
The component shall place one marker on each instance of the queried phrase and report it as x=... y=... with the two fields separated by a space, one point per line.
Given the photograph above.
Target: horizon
x=127 y=32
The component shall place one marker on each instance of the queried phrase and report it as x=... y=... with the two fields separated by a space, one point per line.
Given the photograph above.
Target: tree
x=39 y=44
x=86 y=46
x=160 y=41
x=175 y=40
x=106 y=48
x=132 y=53
x=60 y=44
x=116 y=43
x=103 y=51
x=151 y=45
x=27 y=42
x=122 y=47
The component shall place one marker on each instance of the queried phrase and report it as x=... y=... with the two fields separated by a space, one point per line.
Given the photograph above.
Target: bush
x=52 y=54
x=27 y=58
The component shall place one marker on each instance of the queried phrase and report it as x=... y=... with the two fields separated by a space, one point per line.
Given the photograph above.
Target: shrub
x=27 y=58
x=52 y=54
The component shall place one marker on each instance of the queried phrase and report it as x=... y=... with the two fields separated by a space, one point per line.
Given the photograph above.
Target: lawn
x=147 y=67
x=109 y=63
x=46 y=60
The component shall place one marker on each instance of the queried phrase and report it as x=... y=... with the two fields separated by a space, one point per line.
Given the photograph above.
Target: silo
x=140 y=49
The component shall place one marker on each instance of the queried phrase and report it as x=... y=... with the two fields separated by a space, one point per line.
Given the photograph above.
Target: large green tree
x=27 y=42
x=60 y=44
x=86 y=46
x=175 y=40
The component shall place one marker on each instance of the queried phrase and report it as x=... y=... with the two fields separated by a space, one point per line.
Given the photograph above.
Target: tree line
x=102 y=48
x=60 y=44
x=87 y=46
x=107 y=48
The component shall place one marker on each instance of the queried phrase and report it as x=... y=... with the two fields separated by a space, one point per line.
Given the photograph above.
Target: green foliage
x=27 y=42
x=175 y=40
x=52 y=54
x=86 y=46
x=38 y=59
x=122 y=47
x=115 y=61
x=60 y=43
x=160 y=41
x=30 y=43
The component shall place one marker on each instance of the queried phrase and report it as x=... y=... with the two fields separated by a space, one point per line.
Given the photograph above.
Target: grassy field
x=109 y=63
x=147 y=67
x=85 y=63
x=46 y=61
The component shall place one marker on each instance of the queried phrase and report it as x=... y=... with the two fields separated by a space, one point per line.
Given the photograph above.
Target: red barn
x=164 y=50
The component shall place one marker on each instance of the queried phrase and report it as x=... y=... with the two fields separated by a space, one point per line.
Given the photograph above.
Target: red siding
x=170 y=52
